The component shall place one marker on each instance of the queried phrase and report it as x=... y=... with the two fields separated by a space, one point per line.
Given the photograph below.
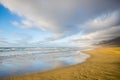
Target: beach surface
x=104 y=64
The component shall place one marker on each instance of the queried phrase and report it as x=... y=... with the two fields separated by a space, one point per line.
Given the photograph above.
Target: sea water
x=21 y=60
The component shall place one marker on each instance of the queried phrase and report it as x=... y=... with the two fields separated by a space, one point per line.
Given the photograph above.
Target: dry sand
x=104 y=64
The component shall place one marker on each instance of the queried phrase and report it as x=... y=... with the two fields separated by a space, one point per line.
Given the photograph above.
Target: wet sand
x=104 y=64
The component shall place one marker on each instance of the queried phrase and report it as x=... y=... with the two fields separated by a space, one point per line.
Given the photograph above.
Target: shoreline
x=103 y=64
x=77 y=58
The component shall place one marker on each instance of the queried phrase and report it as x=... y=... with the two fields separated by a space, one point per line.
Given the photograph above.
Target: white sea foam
x=24 y=60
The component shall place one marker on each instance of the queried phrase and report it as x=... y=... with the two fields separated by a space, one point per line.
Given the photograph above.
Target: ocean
x=22 y=60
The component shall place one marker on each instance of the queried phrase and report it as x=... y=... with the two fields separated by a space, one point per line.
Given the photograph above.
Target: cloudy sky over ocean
x=48 y=23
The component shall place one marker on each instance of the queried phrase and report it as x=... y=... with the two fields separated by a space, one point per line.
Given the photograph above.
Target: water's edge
x=18 y=63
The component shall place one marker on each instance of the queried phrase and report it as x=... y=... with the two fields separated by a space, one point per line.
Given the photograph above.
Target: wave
x=37 y=59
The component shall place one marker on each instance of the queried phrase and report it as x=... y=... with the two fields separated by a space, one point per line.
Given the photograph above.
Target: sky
x=58 y=23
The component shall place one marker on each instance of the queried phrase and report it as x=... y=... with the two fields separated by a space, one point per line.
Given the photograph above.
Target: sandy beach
x=59 y=39
x=104 y=64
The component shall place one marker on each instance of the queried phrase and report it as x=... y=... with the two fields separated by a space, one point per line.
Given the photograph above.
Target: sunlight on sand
x=104 y=64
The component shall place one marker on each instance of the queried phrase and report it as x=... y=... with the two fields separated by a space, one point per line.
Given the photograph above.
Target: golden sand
x=104 y=64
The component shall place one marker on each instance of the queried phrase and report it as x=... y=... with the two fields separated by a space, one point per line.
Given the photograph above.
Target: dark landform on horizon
x=112 y=42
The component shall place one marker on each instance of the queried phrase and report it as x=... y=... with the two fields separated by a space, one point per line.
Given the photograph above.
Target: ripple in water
x=15 y=61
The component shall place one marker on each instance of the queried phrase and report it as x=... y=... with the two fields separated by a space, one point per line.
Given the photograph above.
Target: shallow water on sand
x=15 y=61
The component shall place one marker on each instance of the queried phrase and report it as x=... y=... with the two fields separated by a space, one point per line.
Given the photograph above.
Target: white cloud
x=23 y=24
x=46 y=15
x=63 y=17
x=60 y=17
x=3 y=42
x=102 y=22
x=104 y=27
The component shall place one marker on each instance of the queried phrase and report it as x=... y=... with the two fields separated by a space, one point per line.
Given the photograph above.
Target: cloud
x=94 y=20
x=3 y=42
x=49 y=16
x=60 y=17
x=102 y=22
x=23 y=39
x=104 y=27
x=24 y=24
